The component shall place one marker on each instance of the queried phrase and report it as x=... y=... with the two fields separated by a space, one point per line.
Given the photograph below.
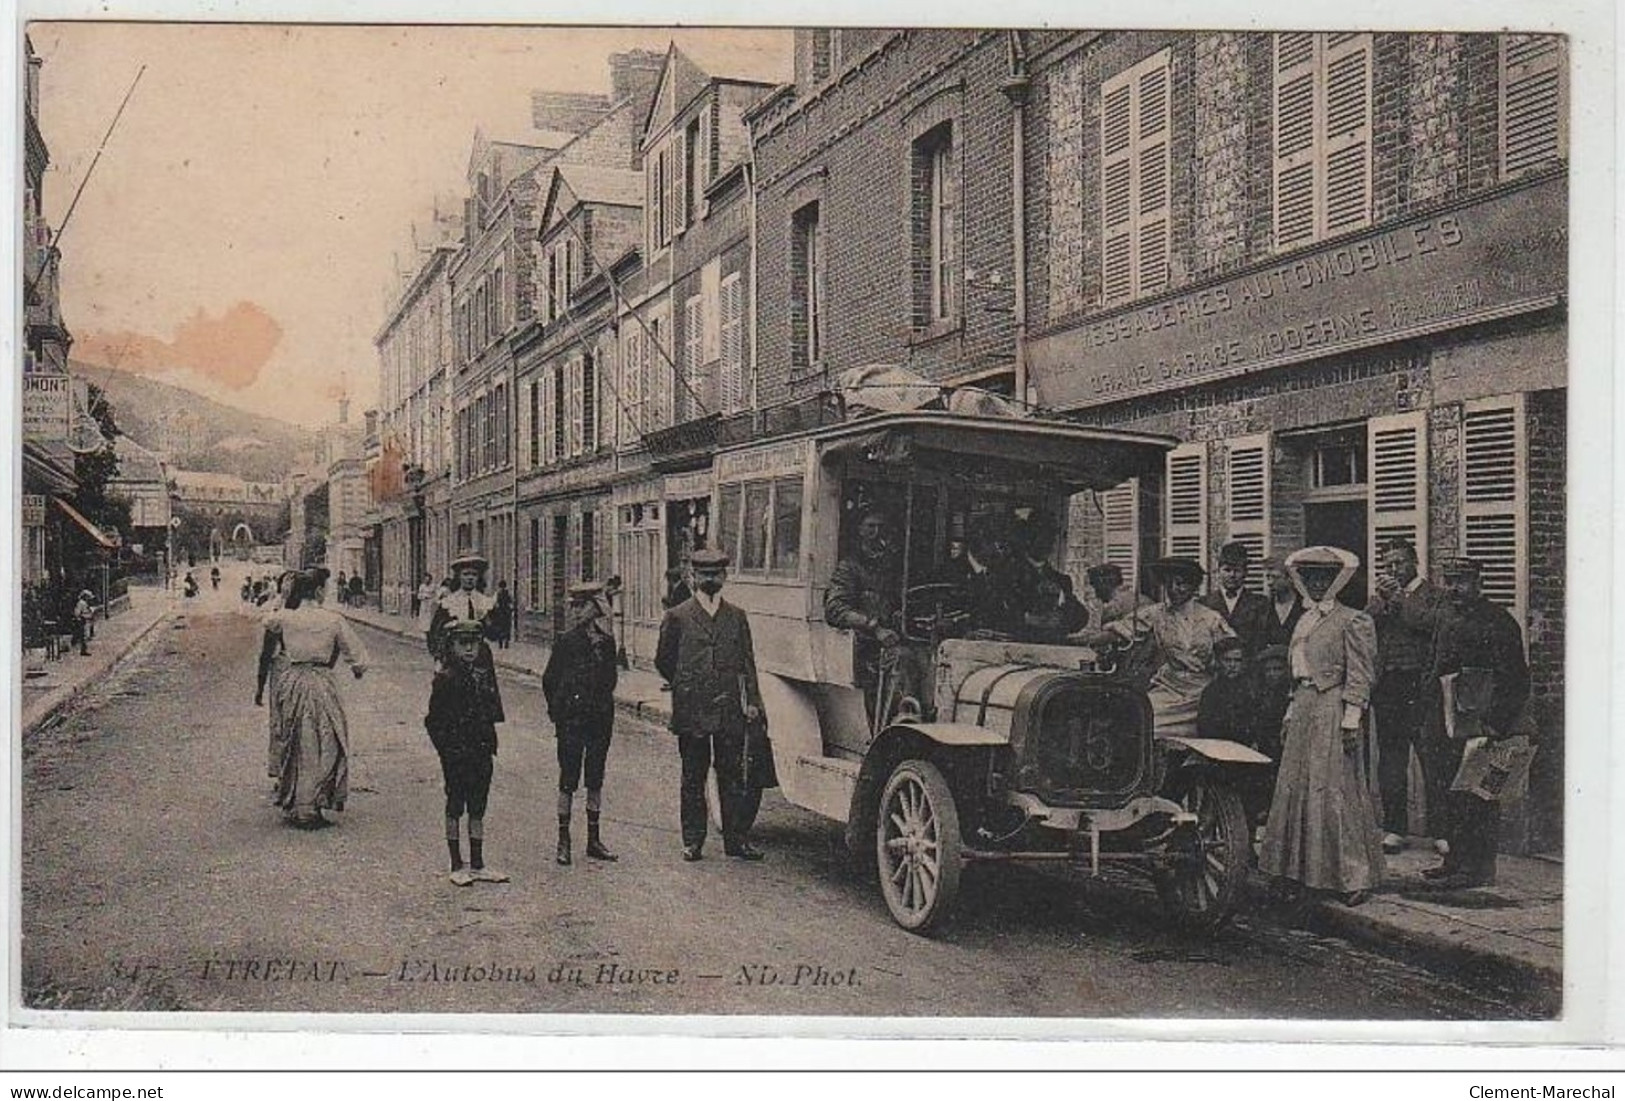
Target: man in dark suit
x=1247 y=613
x=1405 y=607
x=705 y=653
x=1285 y=606
x=1471 y=633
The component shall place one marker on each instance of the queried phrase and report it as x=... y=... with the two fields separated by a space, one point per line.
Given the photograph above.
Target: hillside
x=199 y=433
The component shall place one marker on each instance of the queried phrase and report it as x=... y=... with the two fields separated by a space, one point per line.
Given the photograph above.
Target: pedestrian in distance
x=314 y=772
x=343 y=586
x=464 y=708
x=1475 y=640
x=706 y=654
x=358 y=591
x=423 y=595
x=1245 y=611
x=214 y=578
x=502 y=616
x=1322 y=832
x=1405 y=608
x=189 y=585
x=84 y=613
x=579 y=684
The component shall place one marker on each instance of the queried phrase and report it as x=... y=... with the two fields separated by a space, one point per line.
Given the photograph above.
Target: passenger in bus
x=1051 y=609
x=991 y=602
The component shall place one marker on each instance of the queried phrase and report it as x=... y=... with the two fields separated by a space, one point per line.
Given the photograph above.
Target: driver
x=862 y=598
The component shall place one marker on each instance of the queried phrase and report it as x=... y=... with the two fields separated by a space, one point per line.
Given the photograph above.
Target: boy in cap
x=1227 y=704
x=579 y=683
x=1246 y=612
x=464 y=708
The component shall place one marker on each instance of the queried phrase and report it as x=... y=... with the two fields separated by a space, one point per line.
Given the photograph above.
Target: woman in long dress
x=272 y=675
x=313 y=772
x=1322 y=832
x=1183 y=634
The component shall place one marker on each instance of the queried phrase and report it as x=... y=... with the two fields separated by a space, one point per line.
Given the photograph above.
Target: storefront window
x=728 y=520
x=753 y=554
x=786 y=525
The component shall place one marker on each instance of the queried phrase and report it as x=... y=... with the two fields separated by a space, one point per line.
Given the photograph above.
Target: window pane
x=753 y=554
x=786 y=525
x=728 y=522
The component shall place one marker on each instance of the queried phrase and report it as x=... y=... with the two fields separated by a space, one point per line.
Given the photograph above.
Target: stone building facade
x=1333 y=266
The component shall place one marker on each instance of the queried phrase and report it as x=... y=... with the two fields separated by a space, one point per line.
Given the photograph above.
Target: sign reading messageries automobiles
x=1504 y=255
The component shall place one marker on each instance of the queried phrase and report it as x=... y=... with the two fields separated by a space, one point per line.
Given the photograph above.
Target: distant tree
x=94 y=469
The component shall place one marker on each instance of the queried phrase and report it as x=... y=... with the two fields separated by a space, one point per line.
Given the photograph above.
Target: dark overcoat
x=703 y=657
x=1253 y=618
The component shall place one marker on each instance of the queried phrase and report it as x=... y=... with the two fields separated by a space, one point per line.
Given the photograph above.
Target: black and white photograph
x=1014 y=523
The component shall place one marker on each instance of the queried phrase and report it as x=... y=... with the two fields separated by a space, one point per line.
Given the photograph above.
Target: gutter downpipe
x=1016 y=89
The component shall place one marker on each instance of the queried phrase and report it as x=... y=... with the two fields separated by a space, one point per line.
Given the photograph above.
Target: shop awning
x=102 y=538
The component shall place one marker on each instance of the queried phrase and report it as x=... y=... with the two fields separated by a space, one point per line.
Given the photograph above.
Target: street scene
x=842 y=522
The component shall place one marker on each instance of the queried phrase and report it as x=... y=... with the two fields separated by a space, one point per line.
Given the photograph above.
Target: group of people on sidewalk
x=705 y=653
x=1310 y=682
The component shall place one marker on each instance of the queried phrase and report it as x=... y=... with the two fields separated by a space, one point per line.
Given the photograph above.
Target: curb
x=1473 y=965
x=648 y=711
x=54 y=706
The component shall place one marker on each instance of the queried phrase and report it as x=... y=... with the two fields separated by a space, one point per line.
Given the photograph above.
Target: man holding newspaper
x=1476 y=729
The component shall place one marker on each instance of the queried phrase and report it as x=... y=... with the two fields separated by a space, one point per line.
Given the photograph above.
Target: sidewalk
x=43 y=696
x=1509 y=936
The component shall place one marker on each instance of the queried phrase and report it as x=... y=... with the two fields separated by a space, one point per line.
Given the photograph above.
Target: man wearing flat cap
x=1247 y=613
x=1184 y=634
x=706 y=655
x=1476 y=639
x=579 y=683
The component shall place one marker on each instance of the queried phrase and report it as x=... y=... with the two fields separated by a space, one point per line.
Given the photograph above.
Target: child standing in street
x=464 y=708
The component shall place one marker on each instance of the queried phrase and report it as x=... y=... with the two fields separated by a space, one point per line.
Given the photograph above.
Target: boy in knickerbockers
x=464 y=708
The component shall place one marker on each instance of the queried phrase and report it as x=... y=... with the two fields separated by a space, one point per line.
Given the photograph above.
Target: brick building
x=1334 y=267
x=884 y=210
x=684 y=338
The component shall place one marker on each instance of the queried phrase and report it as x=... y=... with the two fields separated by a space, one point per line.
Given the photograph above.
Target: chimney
x=571 y=112
x=634 y=74
x=344 y=410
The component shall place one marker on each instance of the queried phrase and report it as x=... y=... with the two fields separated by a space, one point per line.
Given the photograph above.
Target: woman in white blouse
x=313 y=773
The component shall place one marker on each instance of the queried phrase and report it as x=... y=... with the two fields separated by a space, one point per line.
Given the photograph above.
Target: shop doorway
x=1340 y=524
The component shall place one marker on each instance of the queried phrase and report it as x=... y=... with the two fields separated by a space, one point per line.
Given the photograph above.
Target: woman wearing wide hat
x=1183 y=633
x=1322 y=831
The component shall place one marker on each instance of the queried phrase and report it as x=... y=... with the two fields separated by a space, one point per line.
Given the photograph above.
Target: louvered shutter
x=1121 y=509
x=549 y=422
x=693 y=340
x=526 y=460
x=668 y=194
x=590 y=399
x=733 y=358
x=1532 y=107
x=1493 y=494
x=1347 y=134
x=679 y=182
x=573 y=429
x=1116 y=191
x=1248 y=501
x=1152 y=178
x=1397 y=448
x=702 y=155
x=1295 y=149
x=1185 y=527
x=631 y=385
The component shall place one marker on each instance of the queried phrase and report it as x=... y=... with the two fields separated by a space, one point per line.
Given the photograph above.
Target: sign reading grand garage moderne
x=1501 y=256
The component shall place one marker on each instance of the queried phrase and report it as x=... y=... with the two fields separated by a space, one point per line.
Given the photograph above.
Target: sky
x=241 y=232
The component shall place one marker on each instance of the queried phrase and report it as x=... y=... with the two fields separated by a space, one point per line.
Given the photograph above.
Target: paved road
x=156 y=874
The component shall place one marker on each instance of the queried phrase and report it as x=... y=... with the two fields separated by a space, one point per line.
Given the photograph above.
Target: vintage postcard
x=726 y=526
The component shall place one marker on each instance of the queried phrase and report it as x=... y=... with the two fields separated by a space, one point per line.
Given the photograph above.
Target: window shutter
x=1398 y=505
x=702 y=155
x=589 y=404
x=1493 y=493
x=1295 y=149
x=693 y=339
x=1121 y=509
x=733 y=365
x=526 y=460
x=668 y=194
x=1116 y=191
x=1347 y=135
x=1532 y=107
x=576 y=410
x=631 y=385
x=549 y=421
x=1185 y=532
x=1151 y=178
x=657 y=371
x=1248 y=500
x=679 y=182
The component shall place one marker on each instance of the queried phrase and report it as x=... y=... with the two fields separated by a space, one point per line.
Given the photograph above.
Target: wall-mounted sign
x=47 y=402
x=33 y=510
x=686 y=487
x=782 y=458
x=1501 y=256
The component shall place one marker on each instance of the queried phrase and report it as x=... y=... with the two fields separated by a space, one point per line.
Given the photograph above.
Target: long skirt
x=1322 y=830
x=273 y=711
x=314 y=773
